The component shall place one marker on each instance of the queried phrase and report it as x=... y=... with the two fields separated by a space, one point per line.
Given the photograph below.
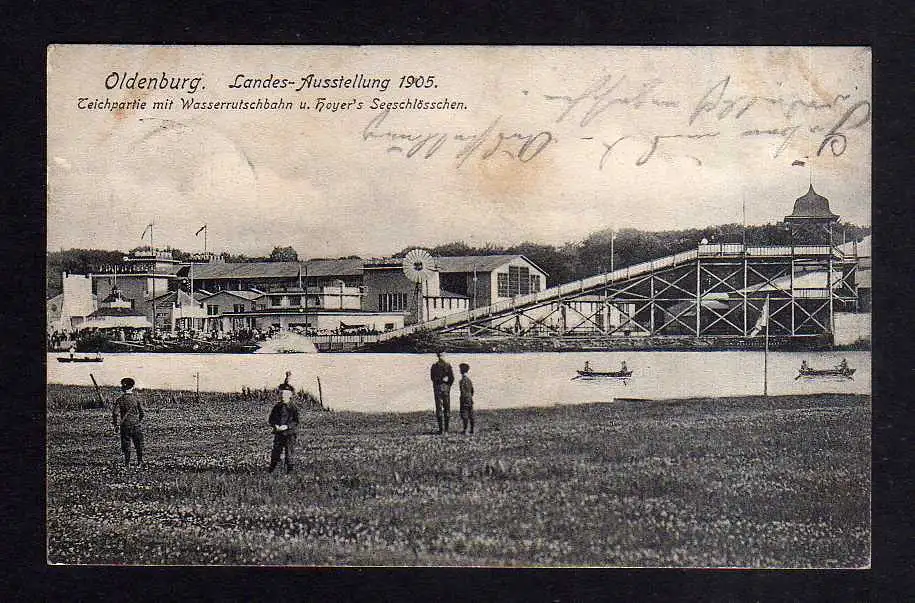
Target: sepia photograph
x=459 y=306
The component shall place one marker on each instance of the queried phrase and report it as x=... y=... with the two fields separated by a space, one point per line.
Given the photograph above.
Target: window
x=519 y=280
x=502 y=284
x=212 y=310
x=275 y=300
x=389 y=326
x=295 y=300
x=535 y=283
x=237 y=308
x=516 y=282
x=392 y=302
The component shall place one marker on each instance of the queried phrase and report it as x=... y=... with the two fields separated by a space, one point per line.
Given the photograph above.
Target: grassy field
x=746 y=482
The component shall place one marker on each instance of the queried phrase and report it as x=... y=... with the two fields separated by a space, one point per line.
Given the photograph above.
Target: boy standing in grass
x=130 y=409
x=284 y=419
x=466 y=386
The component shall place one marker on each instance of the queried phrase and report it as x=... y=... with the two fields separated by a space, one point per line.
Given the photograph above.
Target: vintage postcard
x=459 y=306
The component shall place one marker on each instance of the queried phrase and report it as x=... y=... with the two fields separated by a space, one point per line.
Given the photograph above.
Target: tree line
x=563 y=263
x=573 y=261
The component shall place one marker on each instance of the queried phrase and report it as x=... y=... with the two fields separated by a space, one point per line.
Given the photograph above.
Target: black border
x=710 y=22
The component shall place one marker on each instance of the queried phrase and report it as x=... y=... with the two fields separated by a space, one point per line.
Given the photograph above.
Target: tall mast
x=152 y=248
x=743 y=198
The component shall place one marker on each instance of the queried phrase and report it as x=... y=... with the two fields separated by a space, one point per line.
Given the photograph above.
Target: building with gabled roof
x=454 y=284
x=487 y=279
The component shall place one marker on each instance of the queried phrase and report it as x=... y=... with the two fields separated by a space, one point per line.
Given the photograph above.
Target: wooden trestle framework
x=715 y=290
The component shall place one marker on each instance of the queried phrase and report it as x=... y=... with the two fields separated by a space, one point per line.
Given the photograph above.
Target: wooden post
x=320 y=393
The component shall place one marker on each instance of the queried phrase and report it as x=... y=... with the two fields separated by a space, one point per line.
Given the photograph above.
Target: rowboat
x=79 y=359
x=590 y=374
x=843 y=372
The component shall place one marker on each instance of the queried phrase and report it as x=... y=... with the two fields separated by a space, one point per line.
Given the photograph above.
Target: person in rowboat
x=587 y=368
x=623 y=368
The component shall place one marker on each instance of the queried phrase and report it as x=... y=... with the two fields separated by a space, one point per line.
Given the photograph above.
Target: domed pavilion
x=811 y=221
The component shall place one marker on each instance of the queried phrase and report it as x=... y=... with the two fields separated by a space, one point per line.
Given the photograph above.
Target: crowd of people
x=64 y=340
x=61 y=340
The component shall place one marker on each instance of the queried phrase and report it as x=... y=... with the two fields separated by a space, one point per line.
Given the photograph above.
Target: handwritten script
x=617 y=119
x=483 y=145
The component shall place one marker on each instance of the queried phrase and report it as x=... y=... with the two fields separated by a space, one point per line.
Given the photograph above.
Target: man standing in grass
x=284 y=419
x=466 y=386
x=442 y=377
x=130 y=409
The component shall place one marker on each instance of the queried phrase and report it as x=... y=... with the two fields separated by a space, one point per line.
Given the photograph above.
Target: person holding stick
x=129 y=426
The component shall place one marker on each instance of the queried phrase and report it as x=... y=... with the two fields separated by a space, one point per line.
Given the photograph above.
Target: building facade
x=340 y=296
x=488 y=279
x=140 y=278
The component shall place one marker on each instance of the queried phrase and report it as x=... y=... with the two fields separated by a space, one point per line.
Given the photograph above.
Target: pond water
x=400 y=382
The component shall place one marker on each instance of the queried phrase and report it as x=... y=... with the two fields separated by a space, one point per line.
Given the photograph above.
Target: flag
x=201 y=229
x=764 y=318
x=798 y=162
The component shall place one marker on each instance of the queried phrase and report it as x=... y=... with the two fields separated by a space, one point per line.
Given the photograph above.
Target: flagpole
x=766 y=354
x=744 y=204
x=152 y=249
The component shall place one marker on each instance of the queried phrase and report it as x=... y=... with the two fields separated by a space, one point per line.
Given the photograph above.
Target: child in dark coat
x=284 y=419
x=466 y=386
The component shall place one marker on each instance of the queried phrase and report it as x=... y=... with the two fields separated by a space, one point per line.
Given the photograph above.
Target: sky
x=539 y=144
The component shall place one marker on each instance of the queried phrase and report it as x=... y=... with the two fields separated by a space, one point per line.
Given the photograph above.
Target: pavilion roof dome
x=812 y=206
